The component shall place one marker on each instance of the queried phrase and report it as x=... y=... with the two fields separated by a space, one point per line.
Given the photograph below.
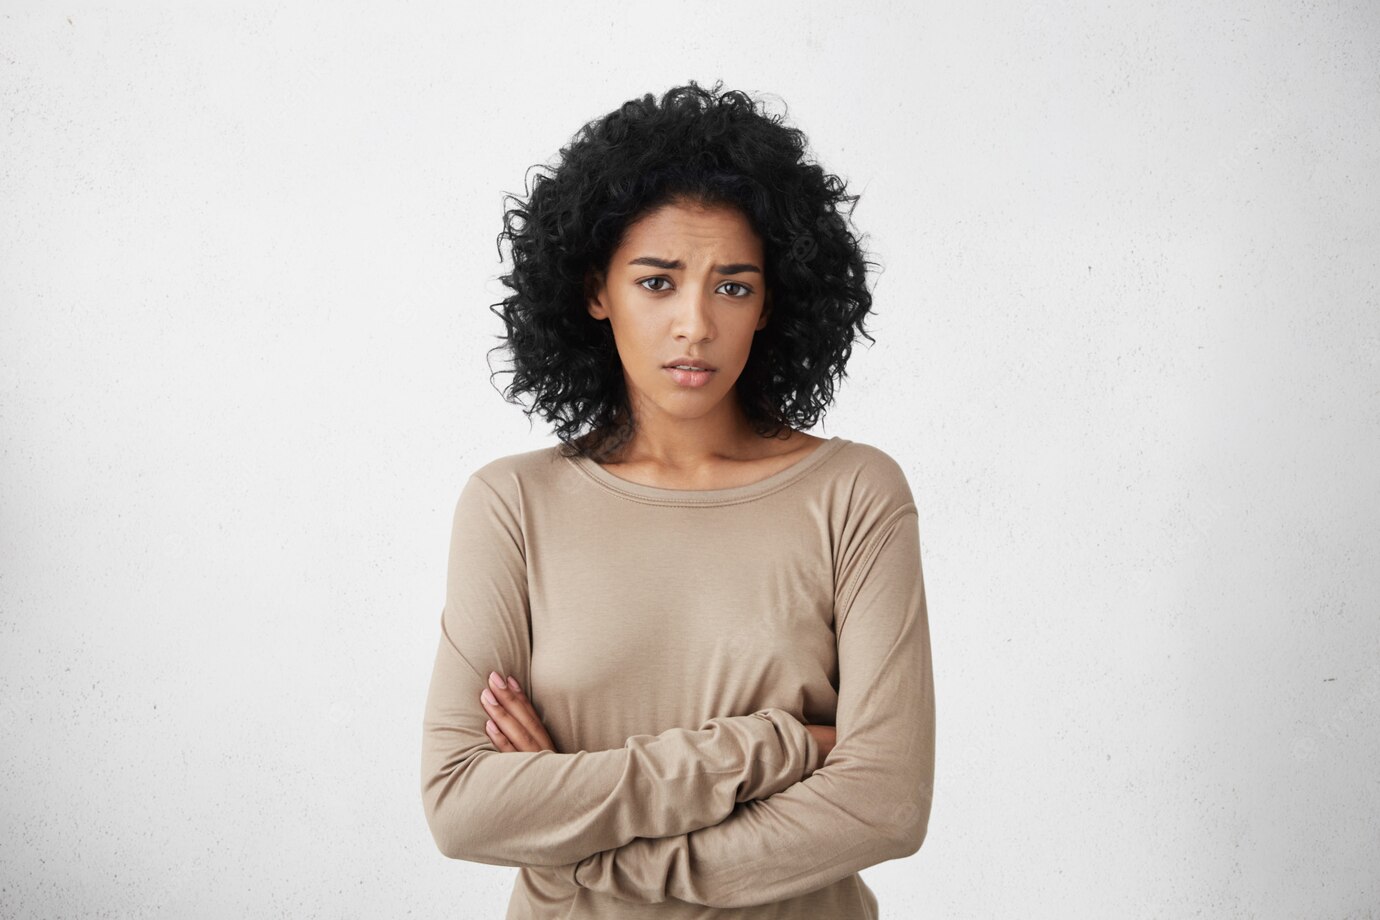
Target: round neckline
x=664 y=496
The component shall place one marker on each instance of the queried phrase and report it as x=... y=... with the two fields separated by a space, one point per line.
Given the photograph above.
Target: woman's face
x=686 y=281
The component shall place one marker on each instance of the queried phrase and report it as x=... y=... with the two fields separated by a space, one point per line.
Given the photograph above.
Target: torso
x=641 y=608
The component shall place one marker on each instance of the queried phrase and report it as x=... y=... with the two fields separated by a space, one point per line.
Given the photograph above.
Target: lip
x=696 y=362
x=690 y=379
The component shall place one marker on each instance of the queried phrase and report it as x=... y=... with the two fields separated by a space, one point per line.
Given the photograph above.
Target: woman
x=684 y=664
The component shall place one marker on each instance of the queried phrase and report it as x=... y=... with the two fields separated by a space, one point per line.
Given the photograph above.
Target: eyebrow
x=733 y=268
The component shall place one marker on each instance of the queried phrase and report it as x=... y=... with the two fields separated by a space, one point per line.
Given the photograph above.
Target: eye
x=747 y=291
x=643 y=283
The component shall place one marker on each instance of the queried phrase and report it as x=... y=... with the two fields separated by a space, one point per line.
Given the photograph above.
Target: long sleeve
x=547 y=808
x=868 y=803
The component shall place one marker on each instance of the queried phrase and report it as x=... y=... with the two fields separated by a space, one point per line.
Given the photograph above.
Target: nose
x=692 y=317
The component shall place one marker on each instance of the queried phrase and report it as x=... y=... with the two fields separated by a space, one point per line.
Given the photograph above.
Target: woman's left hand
x=513 y=724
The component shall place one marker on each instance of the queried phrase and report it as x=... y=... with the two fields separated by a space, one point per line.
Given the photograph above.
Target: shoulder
x=875 y=502
x=528 y=468
x=512 y=480
x=874 y=479
x=496 y=497
x=873 y=498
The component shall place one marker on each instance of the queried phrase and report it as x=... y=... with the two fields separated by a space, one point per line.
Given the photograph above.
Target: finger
x=497 y=737
x=510 y=726
x=518 y=707
x=527 y=713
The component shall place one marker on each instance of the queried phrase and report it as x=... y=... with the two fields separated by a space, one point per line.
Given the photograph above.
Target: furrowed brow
x=733 y=268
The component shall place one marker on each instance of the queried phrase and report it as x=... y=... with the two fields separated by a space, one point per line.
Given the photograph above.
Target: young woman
x=684 y=664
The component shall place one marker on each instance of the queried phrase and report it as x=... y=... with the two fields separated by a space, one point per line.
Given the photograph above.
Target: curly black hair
x=697 y=145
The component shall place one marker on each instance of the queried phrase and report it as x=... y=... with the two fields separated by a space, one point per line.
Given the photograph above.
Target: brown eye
x=747 y=291
x=644 y=281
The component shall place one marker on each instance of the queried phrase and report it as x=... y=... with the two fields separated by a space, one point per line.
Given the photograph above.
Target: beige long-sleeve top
x=674 y=644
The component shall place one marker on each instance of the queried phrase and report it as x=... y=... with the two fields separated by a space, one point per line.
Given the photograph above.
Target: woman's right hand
x=824 y=734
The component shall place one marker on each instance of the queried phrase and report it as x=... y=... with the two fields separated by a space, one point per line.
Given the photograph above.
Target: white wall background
x=1128 y=351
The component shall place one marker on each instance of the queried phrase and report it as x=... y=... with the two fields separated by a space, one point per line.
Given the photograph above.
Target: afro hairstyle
x=694 y=145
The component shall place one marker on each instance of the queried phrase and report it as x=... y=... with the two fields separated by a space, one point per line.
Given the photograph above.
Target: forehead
x=691 y=230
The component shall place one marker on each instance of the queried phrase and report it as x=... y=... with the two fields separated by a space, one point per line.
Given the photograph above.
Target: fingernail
x=513 y=684
x=495 y=680
x=489 y=697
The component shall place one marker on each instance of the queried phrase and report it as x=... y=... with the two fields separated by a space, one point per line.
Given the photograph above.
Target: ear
x=766 y=311
x=594 y=294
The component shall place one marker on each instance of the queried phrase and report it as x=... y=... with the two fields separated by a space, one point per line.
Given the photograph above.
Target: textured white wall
x=1128 y=351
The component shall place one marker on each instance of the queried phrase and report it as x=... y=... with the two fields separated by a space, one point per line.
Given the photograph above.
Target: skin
x=709 y=306
x=690 y=437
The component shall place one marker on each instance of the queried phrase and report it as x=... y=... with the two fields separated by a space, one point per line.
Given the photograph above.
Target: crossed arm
x=869 y=802
x=544 y=808
x=739 y=812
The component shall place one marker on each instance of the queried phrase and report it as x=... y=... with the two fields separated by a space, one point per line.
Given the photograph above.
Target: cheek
x=633 y=340
x=639 y=353
x=742 y=341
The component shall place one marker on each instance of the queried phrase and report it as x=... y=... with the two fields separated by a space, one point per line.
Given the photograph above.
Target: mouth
x=686 y=376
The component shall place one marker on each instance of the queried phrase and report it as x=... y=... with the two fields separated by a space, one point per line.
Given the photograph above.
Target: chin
x=691 y=404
